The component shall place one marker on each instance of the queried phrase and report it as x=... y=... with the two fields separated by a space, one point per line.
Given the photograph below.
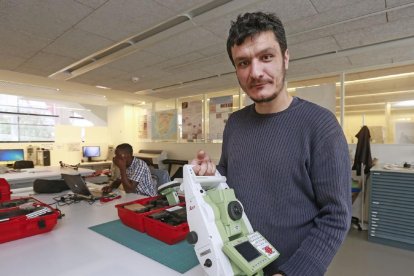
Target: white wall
x=396 y=154
x=68 y=144
x=123 y=128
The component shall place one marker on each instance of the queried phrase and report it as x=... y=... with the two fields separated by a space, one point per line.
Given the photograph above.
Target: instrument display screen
x=247 y=250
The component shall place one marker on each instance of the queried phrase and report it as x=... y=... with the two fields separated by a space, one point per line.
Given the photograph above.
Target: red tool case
x=136 y=220
x=157 y=229
x=165 y=232
x=4 y=190
x=25 y=216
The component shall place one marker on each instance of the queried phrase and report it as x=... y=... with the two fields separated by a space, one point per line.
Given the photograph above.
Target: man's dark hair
x=125 y=148
x=250 y=24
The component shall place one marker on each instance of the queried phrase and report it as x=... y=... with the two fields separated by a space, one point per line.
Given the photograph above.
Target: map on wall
x=143 y=127
x=220 y=109
x=164 y=125
x=192 y=120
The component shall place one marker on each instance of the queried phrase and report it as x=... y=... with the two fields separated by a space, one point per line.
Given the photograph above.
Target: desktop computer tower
x=111 y=153
x=31 y=154
x=43 y=158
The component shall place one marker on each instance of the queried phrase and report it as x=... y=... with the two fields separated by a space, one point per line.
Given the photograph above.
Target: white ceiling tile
x=184 y=43
x=9 y=62
x=376 y=34
x=136 y=61
x=181 y=61
x=337 y=29
x=213 y=50
x=334 y=16
x=20 y=43
x=78 y=44
x=41 y=36
x=300 y=70
x=395 y=3
x=120 y=19
x=45 y=19
x=371 y=58
x=396 y=15
x=404 y=54
x=92 y=3
x=326 y=5
x=45 y=64
x=333 y=65
x=180 y=5
x=287 y=11
x=313 y=47
x=101 y=73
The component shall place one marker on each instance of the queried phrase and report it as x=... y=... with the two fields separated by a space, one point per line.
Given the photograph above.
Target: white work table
x=73 y=249
x=24 y=178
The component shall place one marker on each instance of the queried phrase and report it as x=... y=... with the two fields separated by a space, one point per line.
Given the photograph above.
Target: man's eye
x=242 y=64
x=267 y=57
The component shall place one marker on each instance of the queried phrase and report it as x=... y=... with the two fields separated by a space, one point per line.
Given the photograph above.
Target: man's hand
x=120 y=161
x=203 y=164
x=107 y=189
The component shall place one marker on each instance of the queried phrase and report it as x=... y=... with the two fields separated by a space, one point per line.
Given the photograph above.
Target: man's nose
x=256 y=69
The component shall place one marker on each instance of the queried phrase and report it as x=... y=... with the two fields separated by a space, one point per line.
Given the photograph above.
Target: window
x=26 y=120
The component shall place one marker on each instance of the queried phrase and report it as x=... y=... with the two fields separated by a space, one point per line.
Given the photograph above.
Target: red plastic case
x=4 y=190
x=136 y=220
x=165 y=232
x=21 y=226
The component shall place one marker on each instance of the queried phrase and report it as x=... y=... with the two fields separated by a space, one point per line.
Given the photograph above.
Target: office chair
x=23 y=164
x=160 y=176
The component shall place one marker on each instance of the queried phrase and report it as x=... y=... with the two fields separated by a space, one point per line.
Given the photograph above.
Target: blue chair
x=160 y=176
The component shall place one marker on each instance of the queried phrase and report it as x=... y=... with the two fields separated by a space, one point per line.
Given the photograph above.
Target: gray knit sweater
x=291 y=171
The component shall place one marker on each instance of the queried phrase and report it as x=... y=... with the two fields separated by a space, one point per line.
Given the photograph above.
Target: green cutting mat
x=180 y=256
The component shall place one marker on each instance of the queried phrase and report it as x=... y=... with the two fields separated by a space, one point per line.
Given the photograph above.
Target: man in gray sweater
x=286 y=158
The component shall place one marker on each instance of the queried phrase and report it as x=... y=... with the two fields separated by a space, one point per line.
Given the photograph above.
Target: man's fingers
x=196 y=169
x=195 y=162
x=211 y=168
x=201 y=154
x=203 y=168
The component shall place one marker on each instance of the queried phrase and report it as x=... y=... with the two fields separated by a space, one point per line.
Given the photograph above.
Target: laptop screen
x=76 y=183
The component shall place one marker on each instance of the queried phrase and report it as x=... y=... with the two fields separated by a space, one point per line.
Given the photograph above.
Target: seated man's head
x=124 y=152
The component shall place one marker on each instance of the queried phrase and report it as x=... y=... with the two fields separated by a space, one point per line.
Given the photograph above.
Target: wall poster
x=164 y=125
x=192 y=120
x=220 y=109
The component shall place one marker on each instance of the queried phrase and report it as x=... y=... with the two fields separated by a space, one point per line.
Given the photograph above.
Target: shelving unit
x=97 y=166
x=391 y=213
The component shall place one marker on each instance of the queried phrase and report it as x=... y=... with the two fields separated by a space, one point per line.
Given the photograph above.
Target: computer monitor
x=91 y=151
x=11 y=155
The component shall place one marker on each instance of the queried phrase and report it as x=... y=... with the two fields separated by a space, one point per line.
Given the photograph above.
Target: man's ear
x=286 y=58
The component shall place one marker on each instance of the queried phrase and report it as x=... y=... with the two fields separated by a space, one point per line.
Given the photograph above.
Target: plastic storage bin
x=16 y=225
x=165 y=232
x=136 y=220
x=4 y=190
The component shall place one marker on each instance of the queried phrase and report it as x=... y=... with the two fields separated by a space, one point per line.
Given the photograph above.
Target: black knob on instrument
x=192 y=237
x=208 y=263
x=235 y=210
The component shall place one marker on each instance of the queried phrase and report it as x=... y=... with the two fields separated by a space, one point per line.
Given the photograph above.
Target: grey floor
x=358 y=256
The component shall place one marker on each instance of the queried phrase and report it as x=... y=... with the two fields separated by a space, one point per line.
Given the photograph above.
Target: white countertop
x=73 y=249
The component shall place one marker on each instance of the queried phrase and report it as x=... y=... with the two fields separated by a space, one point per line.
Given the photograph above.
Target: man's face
x=123 y=156
x=260 y=66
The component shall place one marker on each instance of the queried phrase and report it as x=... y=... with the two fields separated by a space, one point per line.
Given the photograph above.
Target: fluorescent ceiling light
x=403 y=104
x=102 y=87
x=367 y=80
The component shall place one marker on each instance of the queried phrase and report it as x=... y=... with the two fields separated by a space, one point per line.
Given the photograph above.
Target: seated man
x=135 y=175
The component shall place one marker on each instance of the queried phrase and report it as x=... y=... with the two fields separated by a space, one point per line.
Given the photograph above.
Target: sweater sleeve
x=331 y=177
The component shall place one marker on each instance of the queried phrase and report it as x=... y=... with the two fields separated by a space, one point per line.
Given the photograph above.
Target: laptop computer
x=78 y=186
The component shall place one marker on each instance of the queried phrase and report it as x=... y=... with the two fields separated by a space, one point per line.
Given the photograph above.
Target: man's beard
x=276 y=93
